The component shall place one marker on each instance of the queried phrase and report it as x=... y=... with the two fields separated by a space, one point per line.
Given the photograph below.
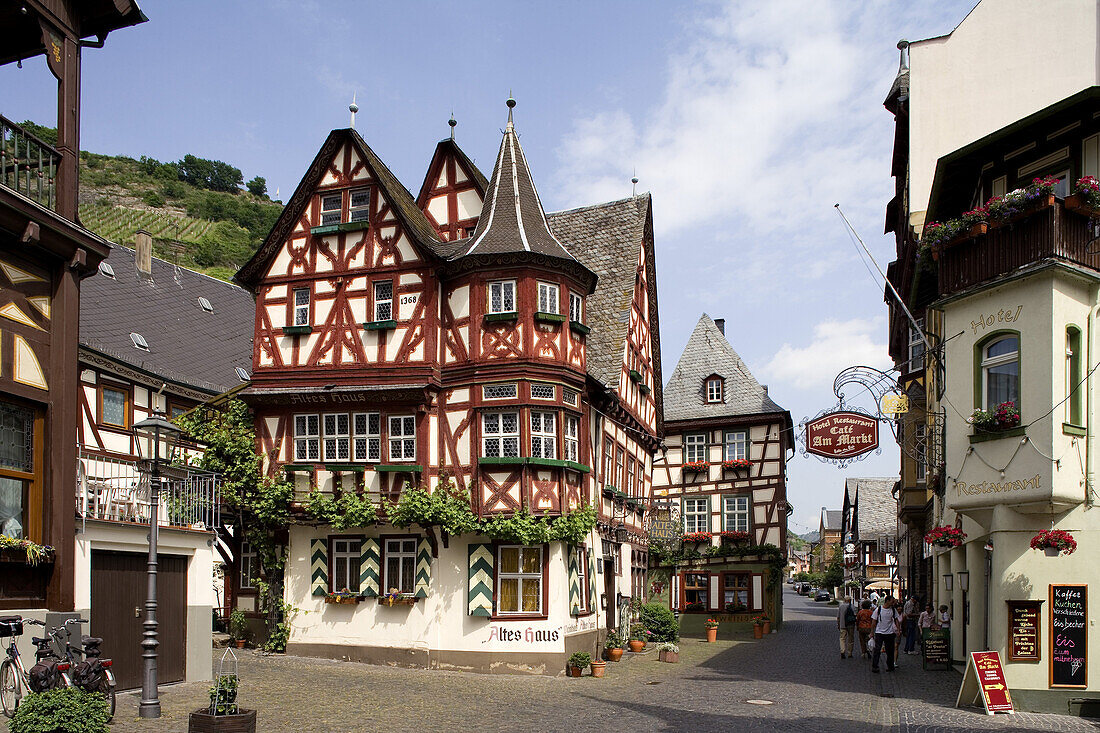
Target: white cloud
x=836 y=345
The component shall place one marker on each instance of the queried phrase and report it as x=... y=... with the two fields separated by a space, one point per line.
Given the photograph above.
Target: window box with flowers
x=695 y=467
x=1002 y=421
x=945 y=536
x=734 y=538
x=25 y=551
x=1054 y=542
x=344 y=596
x=738 y=464
x=696 y=537
x=1085 y=198
x=397 y=598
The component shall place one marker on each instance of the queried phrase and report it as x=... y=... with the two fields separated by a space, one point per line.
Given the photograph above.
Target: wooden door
x=118 y=610
x=611 y=594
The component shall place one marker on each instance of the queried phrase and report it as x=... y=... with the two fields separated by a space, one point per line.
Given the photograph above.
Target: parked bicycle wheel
x=106 y=687
x=9 y=687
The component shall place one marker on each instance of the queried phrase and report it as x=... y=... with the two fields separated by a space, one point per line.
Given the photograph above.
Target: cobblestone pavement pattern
x=799 y=670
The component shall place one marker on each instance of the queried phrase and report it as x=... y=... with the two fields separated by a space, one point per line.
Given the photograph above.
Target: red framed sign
x=841 y=435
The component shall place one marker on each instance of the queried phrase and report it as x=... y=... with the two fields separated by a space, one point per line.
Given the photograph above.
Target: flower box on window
x=695 y=466
x=1004 y=416
x=545 y=317
x=394 y=598
x=738 y=464
x=24 y=551
x=696 y=537
x=344 y=596
x=296 y=330
x=380 y=325
x=580 y=328
x=732 y=537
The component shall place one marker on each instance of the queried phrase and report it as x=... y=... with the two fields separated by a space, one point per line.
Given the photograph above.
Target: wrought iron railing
x=117 y=490
x=27 y=164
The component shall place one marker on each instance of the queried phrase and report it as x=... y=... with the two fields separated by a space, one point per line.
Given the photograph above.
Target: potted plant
x=765 y=623
x=613 y=646
x=639 y=635
x=668 y=652
x=1086 y=195
x=695 y=466
x=342 y=596
x=238 y=628
x=223 y=713
x=712 y=629
x=1054 y=542
x=598 y=666
x=733 y=537
x=737 y=464
x=758 y=627
x=577 y=663
x=1004 y=416
x=696 y=538
x=945 y=536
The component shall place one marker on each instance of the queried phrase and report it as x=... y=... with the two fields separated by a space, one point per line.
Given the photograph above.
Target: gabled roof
x=187 y=345
x=706 y=353
x=412 y=219
x=444 y=147
x=512 y=217
x=831 y=519
x=876 y=507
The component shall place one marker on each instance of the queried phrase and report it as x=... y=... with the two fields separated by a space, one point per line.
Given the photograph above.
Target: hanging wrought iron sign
x=841 y=435
x=895 y=404
x=664 y=523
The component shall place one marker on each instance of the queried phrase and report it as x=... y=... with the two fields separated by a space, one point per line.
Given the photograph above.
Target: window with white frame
x=367 y=444
x=543 y=392
x=570 y=438
x=359 y=208
x=331 y=208
x=569 y=396
x=400 y=565
x=402 y=438
x=548 y=298
x=714 y=389
x=383 y=300
x=916 y=346
x=519 y=580
x=544 y=438
x=337 y=438
x=736 y=446
x=608 y=457
x=695 y=448
x=307 y=438
x=921 y=450
x=696 y=515
x=696 y=589
x=345 y=564
x=249 y=565
x=500 y=434
x=630 y=488
x=576 y=308
x=301 y=307
x=582 y=580
x=502 y=296
x=1001 y=372
x=735 y=512
x=619 y=473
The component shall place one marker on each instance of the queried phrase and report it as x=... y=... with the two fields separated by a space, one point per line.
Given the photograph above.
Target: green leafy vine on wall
x=349 y=510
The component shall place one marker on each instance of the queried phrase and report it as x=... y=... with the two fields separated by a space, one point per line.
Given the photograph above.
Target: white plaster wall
x=1006 y=60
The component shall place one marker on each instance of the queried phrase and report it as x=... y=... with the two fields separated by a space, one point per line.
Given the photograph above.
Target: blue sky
x=747 y=122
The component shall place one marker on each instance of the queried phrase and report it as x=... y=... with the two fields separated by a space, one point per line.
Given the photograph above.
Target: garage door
x=119 y=581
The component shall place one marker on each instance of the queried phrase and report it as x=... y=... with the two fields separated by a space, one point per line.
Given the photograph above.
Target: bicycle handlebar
x=77 y=621
x=34 y=622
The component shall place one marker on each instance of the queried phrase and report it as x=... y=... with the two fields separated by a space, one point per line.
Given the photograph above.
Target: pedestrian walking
x=927 y=620
x=911 y=609
x=886 y=619
x=846 y=624
x=866 y=627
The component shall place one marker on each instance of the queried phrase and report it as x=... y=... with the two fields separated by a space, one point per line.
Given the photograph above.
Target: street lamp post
x=156 y=429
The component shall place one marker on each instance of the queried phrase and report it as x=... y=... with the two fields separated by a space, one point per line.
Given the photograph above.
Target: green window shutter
x=423 y=568
x=480 y=595
x=368 y=567
x=574 y=581
x=591 y=580
x=318 y=562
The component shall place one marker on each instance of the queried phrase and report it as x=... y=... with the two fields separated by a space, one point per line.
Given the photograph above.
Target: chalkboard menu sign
x=1069 y=636
x=936 y=648
x=1024 y=633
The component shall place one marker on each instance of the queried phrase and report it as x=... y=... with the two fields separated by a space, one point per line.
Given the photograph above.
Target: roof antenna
x=353 y=108
x=634 y=181
x=511 y=105
x=452 y=122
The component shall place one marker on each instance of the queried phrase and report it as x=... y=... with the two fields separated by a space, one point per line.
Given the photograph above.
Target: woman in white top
x=886 y=619
x=944 y=617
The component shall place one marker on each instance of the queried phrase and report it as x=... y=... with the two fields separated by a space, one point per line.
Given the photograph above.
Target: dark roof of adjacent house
x=187 y=344
x=831 y=519
x=707 y=353
x=876 y=507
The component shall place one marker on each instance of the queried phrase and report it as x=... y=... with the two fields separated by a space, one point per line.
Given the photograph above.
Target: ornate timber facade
x=724 y=475
x=464 y=335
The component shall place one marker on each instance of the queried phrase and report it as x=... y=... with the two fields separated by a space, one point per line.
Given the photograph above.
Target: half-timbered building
x=724 y=474
x=467 y=336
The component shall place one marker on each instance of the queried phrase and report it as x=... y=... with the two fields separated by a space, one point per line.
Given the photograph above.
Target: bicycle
x=92 y=673
x=47 y=673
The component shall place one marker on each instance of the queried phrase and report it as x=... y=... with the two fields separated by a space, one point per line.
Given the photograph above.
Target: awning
x=881 y=585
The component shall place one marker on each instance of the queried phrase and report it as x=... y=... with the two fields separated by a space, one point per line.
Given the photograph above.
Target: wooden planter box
x=201 y=721
x=350 y=600
x=403 y=601
x=671 y=657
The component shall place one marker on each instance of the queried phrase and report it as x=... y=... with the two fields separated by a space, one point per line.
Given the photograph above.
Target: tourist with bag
x=866 y=626
x=846 y=624
x=887 y=620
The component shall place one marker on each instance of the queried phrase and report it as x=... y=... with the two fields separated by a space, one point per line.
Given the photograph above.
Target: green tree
x=258 y=186
x=47 y=135
x=225 y=243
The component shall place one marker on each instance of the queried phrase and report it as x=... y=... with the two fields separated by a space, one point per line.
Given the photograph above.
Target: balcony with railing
x=115 y=490
x=28 y=165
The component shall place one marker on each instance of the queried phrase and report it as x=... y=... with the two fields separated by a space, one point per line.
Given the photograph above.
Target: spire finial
x=903 y=47
x=353 y=108
x=634 y=181
x=452 y=122
x=511 y=105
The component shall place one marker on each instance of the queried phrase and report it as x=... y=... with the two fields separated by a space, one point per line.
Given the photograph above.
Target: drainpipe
x=1088 y=398
x=988 y=580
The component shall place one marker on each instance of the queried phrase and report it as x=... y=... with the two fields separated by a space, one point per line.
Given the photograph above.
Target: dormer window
x=107 y=270
x=576 y=308
x=714 y=389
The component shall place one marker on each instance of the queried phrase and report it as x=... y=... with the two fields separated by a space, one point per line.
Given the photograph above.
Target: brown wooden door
x=610 y=594
x=118 y=610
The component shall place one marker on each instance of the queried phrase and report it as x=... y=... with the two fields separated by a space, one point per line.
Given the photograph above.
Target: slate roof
x=607 y=239
x=512 y=217
x=187 y=345
x=876 y=508
x=708 y=352
x=448 y=145
x=832 y=519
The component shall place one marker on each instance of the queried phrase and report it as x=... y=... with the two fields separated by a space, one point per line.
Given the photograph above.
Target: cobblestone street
x=798 y=671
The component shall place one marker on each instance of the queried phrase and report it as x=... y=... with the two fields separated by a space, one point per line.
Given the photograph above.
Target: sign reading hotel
x=841 y=435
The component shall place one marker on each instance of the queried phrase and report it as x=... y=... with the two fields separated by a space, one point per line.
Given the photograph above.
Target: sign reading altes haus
x=841 y=435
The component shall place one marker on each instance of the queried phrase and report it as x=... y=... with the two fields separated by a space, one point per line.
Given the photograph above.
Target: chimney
x=721 y=323
x=143 y=252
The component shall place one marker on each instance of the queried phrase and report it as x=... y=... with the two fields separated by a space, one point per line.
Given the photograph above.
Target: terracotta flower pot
x=636 y=645
x=574 y=671
x=614 y=655
x=976 y=230
x=757 y=631
x=767 y=627
x=239 y=643
x=712 y=634
x=598 y=667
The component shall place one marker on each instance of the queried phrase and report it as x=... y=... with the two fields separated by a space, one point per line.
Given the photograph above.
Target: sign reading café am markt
x=841 y=435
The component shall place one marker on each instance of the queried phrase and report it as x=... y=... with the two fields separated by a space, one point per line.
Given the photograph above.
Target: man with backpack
x=846 y=623
x=887 y=626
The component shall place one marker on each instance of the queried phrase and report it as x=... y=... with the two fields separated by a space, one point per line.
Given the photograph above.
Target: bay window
x=548 y=298
x=1000 y=372
x=544 y=439
x=502 y=296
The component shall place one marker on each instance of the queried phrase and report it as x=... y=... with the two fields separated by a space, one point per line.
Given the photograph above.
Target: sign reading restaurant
x=841 y=435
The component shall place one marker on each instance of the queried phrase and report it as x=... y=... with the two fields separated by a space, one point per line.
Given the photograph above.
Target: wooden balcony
x=28 y=165
x=1047 y=232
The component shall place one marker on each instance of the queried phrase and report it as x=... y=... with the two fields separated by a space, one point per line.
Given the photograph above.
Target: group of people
x=880 y=621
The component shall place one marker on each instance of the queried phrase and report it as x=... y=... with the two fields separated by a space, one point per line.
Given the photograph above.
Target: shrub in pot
x=577 y=663
x=659 y=621
x=613 y=646
x=668 y=652
x=238 y=627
